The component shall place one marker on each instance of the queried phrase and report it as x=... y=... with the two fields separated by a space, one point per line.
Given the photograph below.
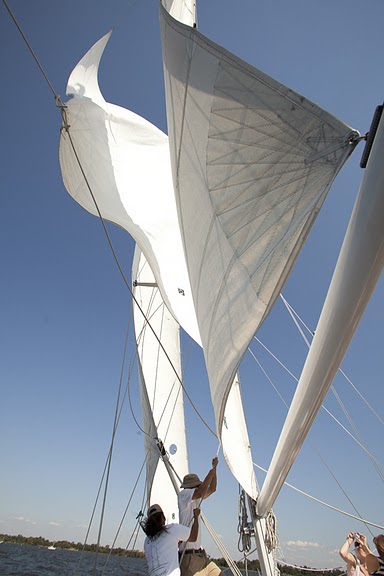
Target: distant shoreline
x=65 y=545
x=252 y=565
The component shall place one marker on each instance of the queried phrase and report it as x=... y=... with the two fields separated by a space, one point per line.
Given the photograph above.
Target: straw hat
x=191 y=481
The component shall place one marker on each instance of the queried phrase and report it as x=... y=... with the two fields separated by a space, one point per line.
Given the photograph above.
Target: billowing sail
x=252 y=162
x=125 y=162
x=115 y=148
x=161 y=392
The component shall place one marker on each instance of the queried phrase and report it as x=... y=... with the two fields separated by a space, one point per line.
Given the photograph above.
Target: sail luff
x=357 y=271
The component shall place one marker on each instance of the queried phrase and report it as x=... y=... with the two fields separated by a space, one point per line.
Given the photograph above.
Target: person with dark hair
x=161 y=543
x=193 y=558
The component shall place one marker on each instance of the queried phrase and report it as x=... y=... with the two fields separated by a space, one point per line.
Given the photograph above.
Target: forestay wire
x=334 y=477
x=324 y=503
x=359 y=439
x=293 y=314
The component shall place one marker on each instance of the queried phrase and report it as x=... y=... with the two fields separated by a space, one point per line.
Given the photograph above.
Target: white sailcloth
x=235 y=441
x=182 y=10
x=126 y=163
x=161 y=392
x=252 y=162
x=115 y=148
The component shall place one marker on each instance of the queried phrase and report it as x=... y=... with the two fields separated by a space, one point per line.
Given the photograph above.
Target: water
x=25 y=560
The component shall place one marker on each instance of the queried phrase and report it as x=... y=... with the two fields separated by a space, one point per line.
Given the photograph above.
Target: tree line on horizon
x=65 y=545
x=252 y=565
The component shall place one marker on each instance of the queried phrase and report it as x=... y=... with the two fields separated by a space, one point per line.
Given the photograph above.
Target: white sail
x=161 y=392
x=115 y=148
x=125 y=162
x=235 y=441
x=252 y=162
x=182 y=10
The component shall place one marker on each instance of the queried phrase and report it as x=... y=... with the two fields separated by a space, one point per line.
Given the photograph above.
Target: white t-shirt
x=186 y=507
x=162 y=552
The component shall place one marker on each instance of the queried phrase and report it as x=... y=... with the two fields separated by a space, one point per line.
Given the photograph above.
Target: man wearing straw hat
x=193 y=558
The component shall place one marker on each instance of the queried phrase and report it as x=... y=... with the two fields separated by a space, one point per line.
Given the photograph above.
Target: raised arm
x=208 y=485
x=346 y=555
x=195 y=526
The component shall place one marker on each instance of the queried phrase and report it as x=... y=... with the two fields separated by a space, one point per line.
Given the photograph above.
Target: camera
x=356 y=535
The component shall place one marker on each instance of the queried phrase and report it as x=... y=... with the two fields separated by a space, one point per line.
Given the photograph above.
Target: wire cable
x=57 y=97
x=324 y=503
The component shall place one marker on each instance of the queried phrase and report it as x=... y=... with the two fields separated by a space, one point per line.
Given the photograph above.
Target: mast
x=266 y=555
x=357 y=271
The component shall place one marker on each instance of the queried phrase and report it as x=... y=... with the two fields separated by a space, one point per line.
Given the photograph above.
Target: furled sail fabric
x=252 y=162
x=126 y=163
x=161 y=392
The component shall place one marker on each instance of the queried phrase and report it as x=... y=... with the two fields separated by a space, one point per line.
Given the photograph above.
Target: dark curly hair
x=379 y=543
x=154 y=525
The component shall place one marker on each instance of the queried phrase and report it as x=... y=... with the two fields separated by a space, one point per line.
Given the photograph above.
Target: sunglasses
x=357 y=545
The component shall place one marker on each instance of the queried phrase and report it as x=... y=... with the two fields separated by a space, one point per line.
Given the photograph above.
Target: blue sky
x=64 y=308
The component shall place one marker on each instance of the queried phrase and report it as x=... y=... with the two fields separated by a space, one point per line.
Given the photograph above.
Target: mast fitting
x=370 y=136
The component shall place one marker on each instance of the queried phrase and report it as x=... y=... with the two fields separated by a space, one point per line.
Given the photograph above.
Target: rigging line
x=375 y=463
x=66 y=127
x=231 y=564
x=289 y=307
x=341 y=488
x=317 y=452
x=275 y=358
x=94 y=509
x=359 y=439
x=142 y=336
x=115 y=423
x=361 y=396
x=134 y=356
x=324 y=503
x=57 y=97
x=362 y=446
x=189 y=398
x=135 y=531
x=139 y=518
x=106 y=462
x=172 y=409
x=123 y=517
x=269 y=379
x=92 y=516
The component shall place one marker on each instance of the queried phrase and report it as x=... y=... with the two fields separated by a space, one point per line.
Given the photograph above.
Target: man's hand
x=215 y=462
